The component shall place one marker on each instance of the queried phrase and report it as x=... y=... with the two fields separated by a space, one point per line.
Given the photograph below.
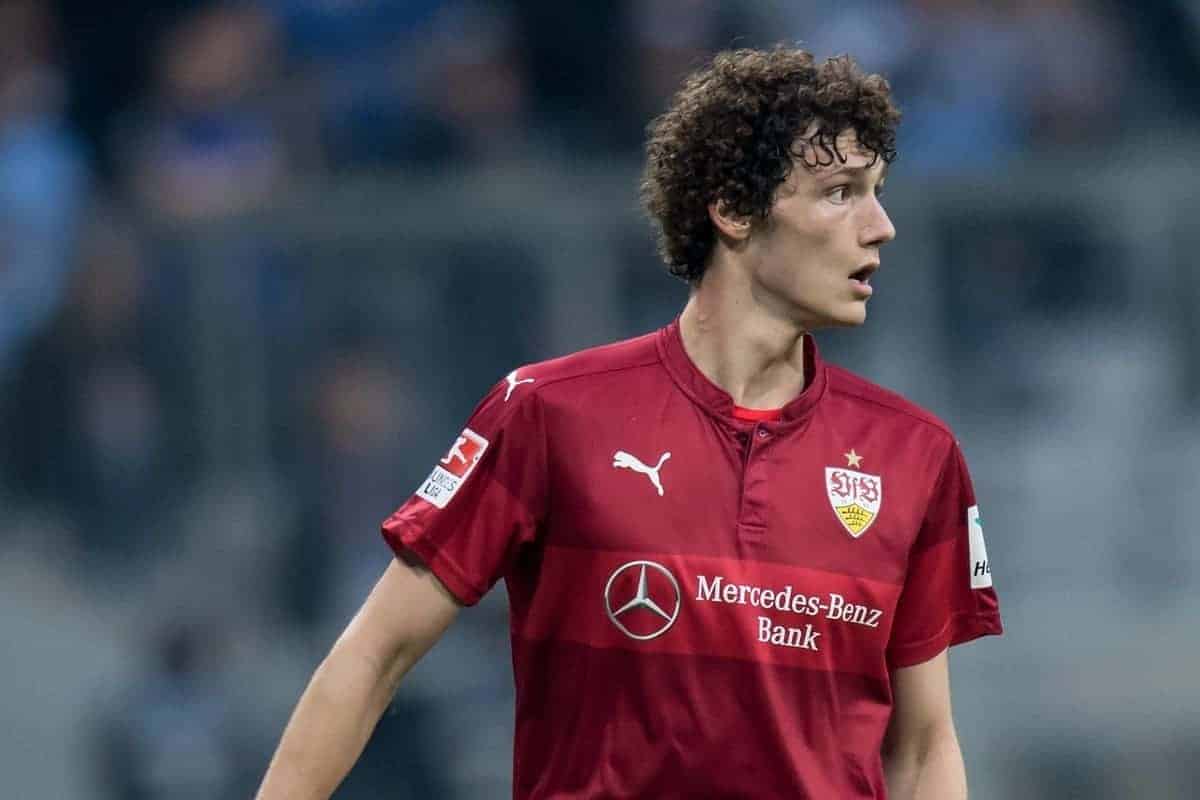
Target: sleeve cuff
x=959 y=629
x=402 y=535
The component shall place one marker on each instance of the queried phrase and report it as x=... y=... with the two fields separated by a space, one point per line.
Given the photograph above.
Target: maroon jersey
x=704 y=606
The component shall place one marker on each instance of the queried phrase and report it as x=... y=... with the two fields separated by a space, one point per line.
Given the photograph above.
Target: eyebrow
x=860 y=170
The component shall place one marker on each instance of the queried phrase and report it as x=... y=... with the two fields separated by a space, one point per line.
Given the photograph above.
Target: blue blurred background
x=259 y=260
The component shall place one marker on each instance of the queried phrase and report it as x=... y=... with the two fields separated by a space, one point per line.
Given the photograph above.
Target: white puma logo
x=512 y=383
x=456 y=451
x=622 y=460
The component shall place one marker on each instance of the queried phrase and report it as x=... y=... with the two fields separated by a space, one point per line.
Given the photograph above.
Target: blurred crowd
x=205 y=555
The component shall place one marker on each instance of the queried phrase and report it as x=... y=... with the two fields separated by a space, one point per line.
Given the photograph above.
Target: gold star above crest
x=853 y=459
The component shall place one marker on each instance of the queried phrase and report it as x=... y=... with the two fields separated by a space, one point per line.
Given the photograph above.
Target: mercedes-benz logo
x=642 y=599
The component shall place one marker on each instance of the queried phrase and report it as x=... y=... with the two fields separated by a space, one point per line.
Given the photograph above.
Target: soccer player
x=734 y=570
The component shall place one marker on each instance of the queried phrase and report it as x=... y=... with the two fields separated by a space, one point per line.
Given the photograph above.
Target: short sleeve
x=948 y=597
x=483 y=500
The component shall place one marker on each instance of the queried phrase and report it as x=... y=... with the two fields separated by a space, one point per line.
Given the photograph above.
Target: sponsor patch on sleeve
x=981 y=571
x=452 y=470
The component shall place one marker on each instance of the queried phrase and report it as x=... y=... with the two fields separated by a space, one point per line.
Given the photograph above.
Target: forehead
x=822 y=157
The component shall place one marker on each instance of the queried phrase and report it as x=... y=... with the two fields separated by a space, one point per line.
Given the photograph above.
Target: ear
x=728 y=224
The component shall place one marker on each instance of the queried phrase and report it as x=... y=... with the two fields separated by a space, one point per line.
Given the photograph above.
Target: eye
x=839 y=193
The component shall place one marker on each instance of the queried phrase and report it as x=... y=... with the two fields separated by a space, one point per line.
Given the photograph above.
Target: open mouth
x=863 y=276
x=861 y=280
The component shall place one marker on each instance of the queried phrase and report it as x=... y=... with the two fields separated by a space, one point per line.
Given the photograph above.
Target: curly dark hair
x=730 y=135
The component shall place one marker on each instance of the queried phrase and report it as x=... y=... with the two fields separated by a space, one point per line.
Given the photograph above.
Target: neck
x=755 y=356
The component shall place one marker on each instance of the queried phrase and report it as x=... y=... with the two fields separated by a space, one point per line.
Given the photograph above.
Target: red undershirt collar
x=757 y=414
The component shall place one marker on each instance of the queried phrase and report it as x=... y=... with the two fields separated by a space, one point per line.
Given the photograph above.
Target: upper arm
x=405 y=614
x=947 y=597
x=485 y=501
x=921 y=702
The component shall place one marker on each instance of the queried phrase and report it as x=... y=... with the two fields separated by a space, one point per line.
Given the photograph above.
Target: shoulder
x=607 y=362
x=587 y=378
x=872 y=400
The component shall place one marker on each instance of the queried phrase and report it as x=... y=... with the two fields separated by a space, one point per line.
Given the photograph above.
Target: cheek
x=802 y=233
x=797 y=250
x=811 y=247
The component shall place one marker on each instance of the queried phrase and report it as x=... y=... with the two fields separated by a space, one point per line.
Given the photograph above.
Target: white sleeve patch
x=981 y=571
x=450 y=473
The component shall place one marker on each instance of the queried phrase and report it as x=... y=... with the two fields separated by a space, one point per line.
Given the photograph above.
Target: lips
x=863 y=274
x=860 y=279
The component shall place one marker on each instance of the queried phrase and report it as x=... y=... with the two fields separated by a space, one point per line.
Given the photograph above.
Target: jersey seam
x=933 y=491
x=551 y=381
x=540 y=410
x=899 y=409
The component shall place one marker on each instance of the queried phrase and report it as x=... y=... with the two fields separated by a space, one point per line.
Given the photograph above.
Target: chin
x=844 y=315
x=850 y=318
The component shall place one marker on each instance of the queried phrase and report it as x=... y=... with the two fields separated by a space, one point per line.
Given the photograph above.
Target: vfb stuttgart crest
x=855 y=497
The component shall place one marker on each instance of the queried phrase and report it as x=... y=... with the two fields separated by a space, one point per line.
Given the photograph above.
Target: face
x=812 y=259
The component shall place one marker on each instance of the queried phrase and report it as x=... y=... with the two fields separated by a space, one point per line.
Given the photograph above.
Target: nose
x=877 y=228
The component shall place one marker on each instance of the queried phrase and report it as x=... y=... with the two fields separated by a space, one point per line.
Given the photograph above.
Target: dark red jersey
x=704 y=606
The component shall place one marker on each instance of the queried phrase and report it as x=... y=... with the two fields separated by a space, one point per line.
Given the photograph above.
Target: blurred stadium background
x=259 y=260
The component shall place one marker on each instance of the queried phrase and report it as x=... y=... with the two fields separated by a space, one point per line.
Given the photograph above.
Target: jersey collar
x=696 y=384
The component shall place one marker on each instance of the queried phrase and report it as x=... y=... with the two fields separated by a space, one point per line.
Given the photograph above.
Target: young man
x=733 y=569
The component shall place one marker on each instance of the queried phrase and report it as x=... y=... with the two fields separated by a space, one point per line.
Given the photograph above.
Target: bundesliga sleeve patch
x=450 y=472
x=981 y=571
